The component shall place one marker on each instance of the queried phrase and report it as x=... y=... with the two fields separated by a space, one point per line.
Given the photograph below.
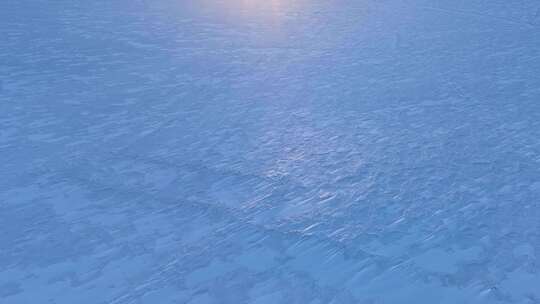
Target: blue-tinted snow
x=278 y=151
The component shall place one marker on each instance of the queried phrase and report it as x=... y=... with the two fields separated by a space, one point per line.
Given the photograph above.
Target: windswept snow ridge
x=234 y=151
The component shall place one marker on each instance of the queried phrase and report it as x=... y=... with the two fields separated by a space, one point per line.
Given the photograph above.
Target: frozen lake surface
x=270 y=151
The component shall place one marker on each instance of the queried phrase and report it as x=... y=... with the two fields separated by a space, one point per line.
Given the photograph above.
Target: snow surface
x=270 y=151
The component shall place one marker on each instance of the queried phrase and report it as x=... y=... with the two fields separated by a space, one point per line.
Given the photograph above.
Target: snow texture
x=270 y=151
